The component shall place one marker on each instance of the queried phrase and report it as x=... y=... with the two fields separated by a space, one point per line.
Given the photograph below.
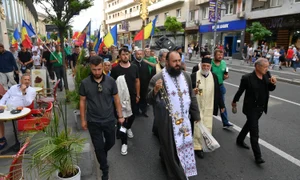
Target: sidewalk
x=235 y=65
x=83 y=163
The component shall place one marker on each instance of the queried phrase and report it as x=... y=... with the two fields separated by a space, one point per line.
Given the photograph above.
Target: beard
x=124 y=61
x=173 y=71
x=204 y=72
x=104 y=52
x=97 y=76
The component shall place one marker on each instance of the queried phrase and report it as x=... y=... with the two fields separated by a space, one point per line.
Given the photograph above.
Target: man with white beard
x=209 y=98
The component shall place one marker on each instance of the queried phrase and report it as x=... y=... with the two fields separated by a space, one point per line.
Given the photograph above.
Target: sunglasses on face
x=99 y=88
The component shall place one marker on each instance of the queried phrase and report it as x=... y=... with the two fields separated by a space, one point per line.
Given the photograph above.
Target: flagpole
x=51 y=52
x=150 y=42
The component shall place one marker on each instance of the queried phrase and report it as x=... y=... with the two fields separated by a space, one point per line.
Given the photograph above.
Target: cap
x=206 y=60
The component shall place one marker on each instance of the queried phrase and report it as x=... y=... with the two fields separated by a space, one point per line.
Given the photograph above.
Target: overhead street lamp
x=217 y=9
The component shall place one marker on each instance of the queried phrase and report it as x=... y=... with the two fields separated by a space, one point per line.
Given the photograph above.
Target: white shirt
x=36 y=60
x=15 y=97
x=37 y=49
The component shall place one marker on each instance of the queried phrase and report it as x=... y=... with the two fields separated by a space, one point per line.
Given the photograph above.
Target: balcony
x=136 y=13
x=199 y=2
x=163 y=3
x=119 y=6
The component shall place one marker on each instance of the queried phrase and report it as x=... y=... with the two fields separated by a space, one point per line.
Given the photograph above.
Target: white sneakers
x=124 y=149
x=129 y=133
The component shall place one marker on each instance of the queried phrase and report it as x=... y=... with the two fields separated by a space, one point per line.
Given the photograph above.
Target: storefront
x=227 y=33
x=285 y=30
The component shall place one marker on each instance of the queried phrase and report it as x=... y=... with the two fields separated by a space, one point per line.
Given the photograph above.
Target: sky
x=80 y=21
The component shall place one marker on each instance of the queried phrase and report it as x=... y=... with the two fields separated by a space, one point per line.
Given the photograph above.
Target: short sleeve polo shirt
x=219 y=70
x=100 y=106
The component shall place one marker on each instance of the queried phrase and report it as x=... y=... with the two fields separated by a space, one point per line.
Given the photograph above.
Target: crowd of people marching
x=125 y=81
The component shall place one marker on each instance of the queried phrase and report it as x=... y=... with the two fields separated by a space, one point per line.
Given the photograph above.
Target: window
x=229 y=7
x=137 y=7
x=109 y=17
x=178 y=13
x=191 y=15
x=166 y=15
x=205 y=12
x=130 y=10
x=196 y=15
x=125 y=11
x=118 y=14
x=275 y=3
x=120 y=26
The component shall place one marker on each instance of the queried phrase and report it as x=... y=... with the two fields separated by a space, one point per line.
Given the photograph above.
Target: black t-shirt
x=258 y=53
x=25 y=57
x=106 y=57
x=47 y=55
x=74 y=58
x=131 y=74
x=100 y=107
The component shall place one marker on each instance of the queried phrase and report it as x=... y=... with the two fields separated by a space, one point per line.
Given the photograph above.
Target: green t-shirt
x=152 y=60
x=219 y=70
x=68 y=50
x=58 y=55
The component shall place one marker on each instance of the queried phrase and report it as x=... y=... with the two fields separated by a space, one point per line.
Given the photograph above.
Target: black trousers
x=251 y=126
x=128 y=121
x=103 y=138
x=59 y=72
x=50 y=71
x=142 y=105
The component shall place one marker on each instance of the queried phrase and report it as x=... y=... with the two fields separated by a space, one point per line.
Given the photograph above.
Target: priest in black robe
x=177 y=167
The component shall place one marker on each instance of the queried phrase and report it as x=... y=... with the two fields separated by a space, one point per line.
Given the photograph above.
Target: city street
x=279 y=133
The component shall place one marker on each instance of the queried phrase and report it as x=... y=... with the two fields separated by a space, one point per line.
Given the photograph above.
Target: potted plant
x=56 y=149
x=82 y=71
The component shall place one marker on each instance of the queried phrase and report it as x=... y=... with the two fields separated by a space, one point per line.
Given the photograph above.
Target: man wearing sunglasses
x=96 y=91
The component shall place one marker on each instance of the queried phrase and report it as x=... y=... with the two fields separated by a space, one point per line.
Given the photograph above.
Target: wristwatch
x=138 y=97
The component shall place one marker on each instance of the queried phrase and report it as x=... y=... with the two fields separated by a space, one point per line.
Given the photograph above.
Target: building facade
x=126 y=15
x=12 y=14
x=281 y=17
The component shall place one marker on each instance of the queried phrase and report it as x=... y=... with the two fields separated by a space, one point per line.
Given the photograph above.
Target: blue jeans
x=276 y=61
x=224 y=114
x=295 y=65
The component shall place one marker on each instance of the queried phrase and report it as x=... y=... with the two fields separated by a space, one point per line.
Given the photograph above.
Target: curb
x=291 y=81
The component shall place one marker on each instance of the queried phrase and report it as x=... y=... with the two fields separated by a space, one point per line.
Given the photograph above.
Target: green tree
x=172 y=25
x=258 y=31
x=60 y=13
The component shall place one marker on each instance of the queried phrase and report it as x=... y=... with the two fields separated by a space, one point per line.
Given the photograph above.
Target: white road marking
x=268 y=146
x=274 y=97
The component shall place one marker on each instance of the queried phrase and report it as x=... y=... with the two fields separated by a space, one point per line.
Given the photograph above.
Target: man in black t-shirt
x=257 y=52
x=24 y=58
x=46 y=60
x=131 y=73
x=74 y=57
x=105 y=55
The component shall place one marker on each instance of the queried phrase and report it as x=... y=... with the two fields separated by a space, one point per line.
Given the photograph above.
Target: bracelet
x=138 y=97
x=120 y=117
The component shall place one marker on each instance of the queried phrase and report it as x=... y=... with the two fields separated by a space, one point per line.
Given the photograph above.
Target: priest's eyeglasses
x=100 y=88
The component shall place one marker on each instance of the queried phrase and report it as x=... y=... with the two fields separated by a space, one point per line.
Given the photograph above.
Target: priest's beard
x=204 y=72
x=173 y=71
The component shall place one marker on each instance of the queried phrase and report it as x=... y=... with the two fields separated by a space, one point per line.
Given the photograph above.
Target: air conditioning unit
x=196 y=22
x=241 y=14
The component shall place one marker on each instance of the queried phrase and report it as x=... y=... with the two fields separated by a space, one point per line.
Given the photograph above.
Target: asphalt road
x=280 y=144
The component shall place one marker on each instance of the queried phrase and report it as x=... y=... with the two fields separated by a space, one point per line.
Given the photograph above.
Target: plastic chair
x=52 y=93
x=37 y=120
x=16 y=167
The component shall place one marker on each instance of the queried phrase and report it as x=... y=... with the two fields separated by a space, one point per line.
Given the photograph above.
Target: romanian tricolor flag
x=97 y=42
x=25 y=38
x=29 y=30
x=111 y=37
x=16 y=37
x=85 y=32
x=146 y=32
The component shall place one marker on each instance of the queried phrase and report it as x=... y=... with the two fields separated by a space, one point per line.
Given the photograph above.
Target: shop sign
x=224 y=26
